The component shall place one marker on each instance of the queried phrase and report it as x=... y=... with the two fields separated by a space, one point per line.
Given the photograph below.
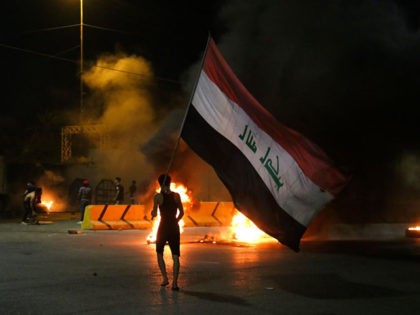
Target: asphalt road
x=47 y=270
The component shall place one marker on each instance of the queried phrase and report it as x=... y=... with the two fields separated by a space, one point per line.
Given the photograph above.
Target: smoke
x=140 y=133
x=333 y=71
x=409 y=170
x=160 y=147
x=49 y=178
x=186 y=167
x=343 y=73
x=325 y=67
x=137 y=134
x=120 y=89
x=51 y=181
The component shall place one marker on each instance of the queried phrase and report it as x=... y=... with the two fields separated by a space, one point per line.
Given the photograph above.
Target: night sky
x=170 y=34
x=343 y=73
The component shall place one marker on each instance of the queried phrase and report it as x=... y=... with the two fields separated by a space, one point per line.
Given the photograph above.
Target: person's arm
x=90 y=194
x=157 y=200
x=180 y=208
x=117 y=191
x=32 y=201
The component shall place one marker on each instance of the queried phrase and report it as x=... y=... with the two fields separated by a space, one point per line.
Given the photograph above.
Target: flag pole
x=188 y=106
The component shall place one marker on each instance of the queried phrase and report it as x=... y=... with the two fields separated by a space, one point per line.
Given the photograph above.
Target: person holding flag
x=171 y=212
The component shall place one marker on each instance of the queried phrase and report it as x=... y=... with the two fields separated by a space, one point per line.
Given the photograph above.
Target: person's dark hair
x=164 y=179
x=30 y=186
x=118 y=178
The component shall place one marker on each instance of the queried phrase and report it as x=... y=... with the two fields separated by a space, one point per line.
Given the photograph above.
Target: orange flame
x=186 y=200
x=47 y=201
x=244 y=230
x=47 y=204
x=414 y=228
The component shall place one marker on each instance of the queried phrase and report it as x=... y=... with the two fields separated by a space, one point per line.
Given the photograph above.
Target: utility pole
x=81 y=62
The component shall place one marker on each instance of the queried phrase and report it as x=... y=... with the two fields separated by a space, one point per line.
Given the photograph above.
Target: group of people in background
x=85 y=195
x=119 y=192
x=32 y=198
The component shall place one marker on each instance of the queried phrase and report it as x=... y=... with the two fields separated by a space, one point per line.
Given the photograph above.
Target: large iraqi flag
x=276 y=177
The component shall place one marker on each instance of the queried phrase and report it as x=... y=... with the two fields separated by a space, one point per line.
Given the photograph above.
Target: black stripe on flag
x=249 y=193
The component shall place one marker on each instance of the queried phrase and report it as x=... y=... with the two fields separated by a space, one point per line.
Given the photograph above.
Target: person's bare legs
x=162 y=267
x=175 y=259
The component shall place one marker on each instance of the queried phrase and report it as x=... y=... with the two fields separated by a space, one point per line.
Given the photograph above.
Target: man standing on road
x=169 y=203
x=132 y=192
x=85 y=198
x=29 y=204
x=119 y=191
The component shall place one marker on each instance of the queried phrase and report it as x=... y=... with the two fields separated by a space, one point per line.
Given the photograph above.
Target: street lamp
x=81 y=60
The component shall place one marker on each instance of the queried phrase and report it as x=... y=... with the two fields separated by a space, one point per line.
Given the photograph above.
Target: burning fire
x=47 y=204
x=244 y=230
x=413 y=231
x=186 y=200
x=414 y=228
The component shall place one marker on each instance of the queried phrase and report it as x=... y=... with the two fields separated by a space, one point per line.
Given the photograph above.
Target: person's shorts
x=168 y=235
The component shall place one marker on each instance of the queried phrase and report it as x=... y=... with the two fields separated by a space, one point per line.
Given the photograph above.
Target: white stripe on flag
x=293 y=191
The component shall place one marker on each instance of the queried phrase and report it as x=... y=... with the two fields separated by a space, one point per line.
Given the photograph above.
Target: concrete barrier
x=224 y=212
x=135 y=217
x=114 y=217
x=211 y=213
x=202 y=215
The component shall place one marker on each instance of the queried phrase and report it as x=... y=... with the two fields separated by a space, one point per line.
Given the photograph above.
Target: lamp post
x=81 y=61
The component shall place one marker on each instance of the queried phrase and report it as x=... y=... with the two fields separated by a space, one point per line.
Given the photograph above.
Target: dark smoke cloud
x=345 y=74
x=161 y=145
x=186 y=167
x=342 y=73
x=335 y=70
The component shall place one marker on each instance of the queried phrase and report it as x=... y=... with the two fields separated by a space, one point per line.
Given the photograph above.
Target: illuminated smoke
x=50 y=181
x=120 y=87
x=140 y=133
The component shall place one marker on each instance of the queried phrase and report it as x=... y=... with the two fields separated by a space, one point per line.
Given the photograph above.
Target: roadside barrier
x=202 y=215
x=123 y=217
x=114 y=217
x=224 y=212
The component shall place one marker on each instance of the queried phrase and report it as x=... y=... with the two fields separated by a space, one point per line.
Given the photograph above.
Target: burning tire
x=413 y=231
x=41 y=208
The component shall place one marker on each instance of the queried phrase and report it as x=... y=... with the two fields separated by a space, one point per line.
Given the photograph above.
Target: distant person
x=168 y=202
x=38 y=196
x=29 y=205
x=85 y=198
x=132 y=192
x=30 y=186
x=119 y=191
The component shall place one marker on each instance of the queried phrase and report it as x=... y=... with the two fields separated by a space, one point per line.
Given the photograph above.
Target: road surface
x=47 y=270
